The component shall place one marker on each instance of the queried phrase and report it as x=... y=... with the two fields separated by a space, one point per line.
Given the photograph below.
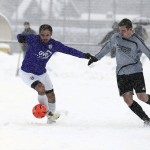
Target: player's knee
x=142 y=96
x=51 y=96
x=128 y=99
x=39 y=87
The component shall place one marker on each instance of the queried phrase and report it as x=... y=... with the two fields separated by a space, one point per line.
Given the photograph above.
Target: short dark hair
x=125 y=22
x=45 y=27
x=26 y=23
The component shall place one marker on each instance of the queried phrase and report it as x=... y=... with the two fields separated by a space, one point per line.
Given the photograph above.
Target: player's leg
x=49 y=91
x=41 y=84
x=144 y=97
x=140 y=88
x=134 y=106
x=33 y=81
x=51 y=100
x=128 y=98
x=125 y=85
x=43 y=99
x=40 y=88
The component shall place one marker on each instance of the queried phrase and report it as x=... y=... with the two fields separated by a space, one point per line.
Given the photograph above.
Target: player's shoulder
x=55 y=42
x=30 y=35
x=137 y=37
x=33 y=37
x=116 y=35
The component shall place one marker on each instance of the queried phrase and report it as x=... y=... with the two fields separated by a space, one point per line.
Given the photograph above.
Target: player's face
x=45 y=35
x=124 y=32
x=26 y=26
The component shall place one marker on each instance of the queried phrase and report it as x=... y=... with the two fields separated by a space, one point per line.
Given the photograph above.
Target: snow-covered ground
x=97 y=119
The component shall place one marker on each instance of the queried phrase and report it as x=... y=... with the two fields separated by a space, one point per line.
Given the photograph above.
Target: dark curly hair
x=45 y=27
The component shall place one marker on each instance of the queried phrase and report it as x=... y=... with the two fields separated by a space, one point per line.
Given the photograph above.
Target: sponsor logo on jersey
x=44 y=55
x=124 y=49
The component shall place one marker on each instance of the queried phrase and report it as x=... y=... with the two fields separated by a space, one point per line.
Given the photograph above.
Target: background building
x=73 y=21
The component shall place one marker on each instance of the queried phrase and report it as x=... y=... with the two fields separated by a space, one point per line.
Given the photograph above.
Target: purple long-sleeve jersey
x=38 y=53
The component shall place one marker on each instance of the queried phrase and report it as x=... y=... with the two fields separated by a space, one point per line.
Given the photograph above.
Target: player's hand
x=22 y=39
x=88 y=56
x=93 y=59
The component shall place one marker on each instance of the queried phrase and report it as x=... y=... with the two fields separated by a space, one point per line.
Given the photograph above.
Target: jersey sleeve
x=29 y=38
x=68 y=50
x=144 y=48
x=106 y=48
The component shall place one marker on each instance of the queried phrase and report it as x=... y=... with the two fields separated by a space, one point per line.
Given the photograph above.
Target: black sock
x=137 y=109
x=148 y=102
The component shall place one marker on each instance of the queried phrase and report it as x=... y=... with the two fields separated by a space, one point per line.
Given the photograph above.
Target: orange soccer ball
x=39 y=111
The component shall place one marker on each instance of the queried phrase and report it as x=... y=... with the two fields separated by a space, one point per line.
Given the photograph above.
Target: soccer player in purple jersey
x=33 y=70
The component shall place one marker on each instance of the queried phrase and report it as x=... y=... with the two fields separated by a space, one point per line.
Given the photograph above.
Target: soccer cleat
x=147 y=123
x=49 y=121
x=52 y=117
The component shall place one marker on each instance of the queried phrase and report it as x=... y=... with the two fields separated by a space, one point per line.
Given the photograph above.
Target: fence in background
x=73 y=21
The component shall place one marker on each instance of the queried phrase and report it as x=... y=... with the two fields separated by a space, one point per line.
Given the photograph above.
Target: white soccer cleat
x=49 y=121
x=52 y=117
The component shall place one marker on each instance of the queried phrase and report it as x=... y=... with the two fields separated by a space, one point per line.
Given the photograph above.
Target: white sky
x=97 y=119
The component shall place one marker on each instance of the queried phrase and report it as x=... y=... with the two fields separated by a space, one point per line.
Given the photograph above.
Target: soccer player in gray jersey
x=129 y=71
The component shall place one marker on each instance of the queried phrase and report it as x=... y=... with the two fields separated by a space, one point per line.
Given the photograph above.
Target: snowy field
x=97 y=119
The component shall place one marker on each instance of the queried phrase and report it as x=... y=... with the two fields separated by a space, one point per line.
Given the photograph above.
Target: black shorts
x=126 y=83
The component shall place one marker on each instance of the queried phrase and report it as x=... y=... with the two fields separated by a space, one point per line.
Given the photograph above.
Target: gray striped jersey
x=128 y=53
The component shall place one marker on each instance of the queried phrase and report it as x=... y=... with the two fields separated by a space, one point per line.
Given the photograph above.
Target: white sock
x=52 y=107
x=43 y=100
